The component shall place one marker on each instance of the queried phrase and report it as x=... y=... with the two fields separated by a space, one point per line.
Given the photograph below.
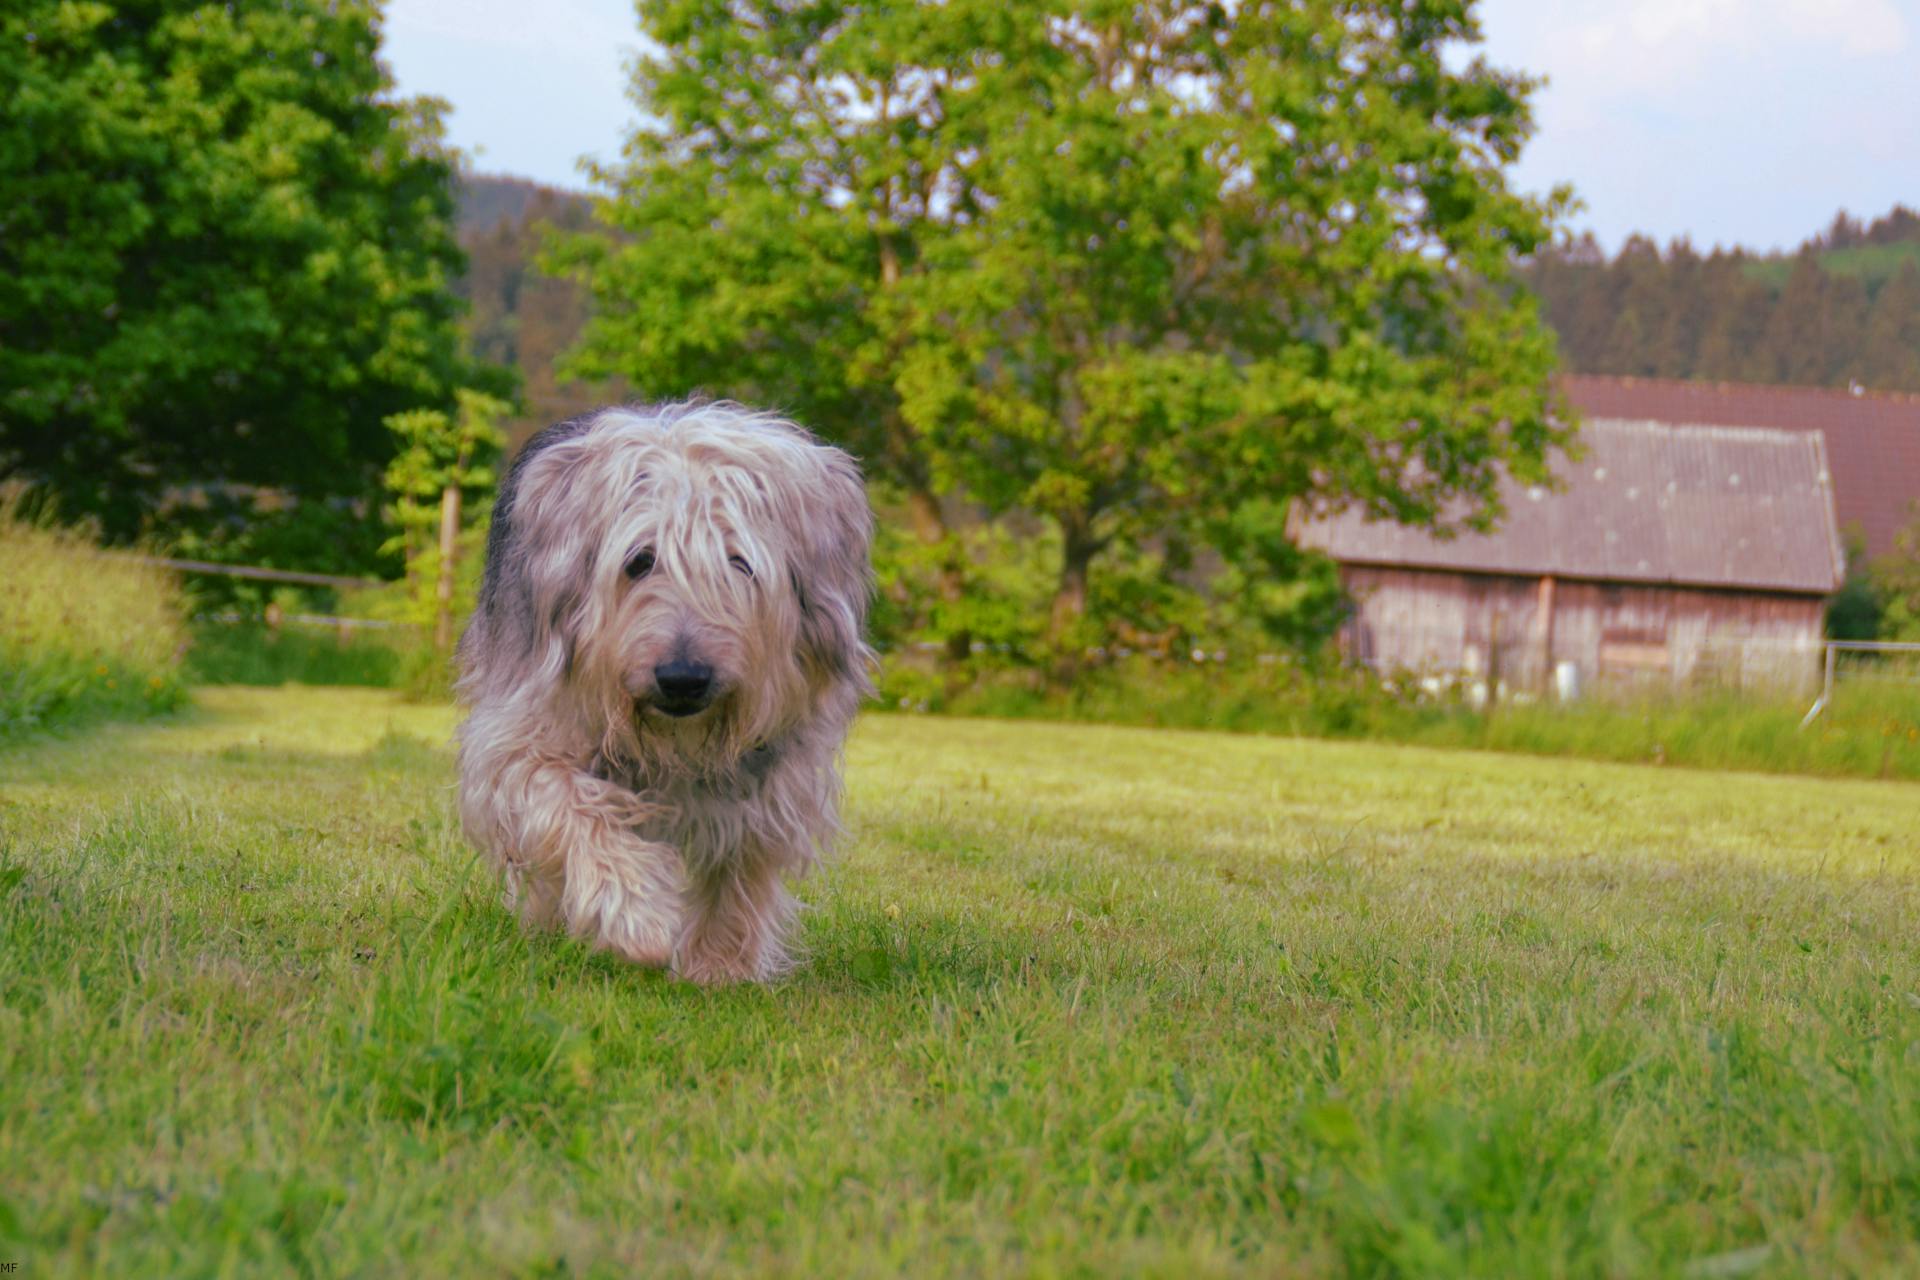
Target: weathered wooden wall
x=1517 y=628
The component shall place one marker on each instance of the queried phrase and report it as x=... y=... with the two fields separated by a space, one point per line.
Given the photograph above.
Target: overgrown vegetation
x=83 y=635
x=1078 y=1002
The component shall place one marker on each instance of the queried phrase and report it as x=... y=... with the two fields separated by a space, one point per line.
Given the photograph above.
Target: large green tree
x=1148 y=270
x=225 y=250
x=793 y=167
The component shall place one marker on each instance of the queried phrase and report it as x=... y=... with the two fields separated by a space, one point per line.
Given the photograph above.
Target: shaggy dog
x=663 y=666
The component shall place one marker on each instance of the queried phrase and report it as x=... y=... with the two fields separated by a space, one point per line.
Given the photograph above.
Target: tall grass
x=83 y=635
x=1872 y=730
x=249 y=653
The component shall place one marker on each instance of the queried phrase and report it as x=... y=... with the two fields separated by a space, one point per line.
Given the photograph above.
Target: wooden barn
x=1670 y=554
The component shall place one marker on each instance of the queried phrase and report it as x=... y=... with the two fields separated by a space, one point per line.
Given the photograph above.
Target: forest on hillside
x=519 y=316
x=1842 y=309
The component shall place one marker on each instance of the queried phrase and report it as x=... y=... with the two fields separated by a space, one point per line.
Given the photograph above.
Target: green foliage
x=1896 y=580
x=1078 y=1002
x=227 y=255
x=1880 y=600
x=83 y=635
x=265 y=530
x=436 y=452
x=1003 y=582
x=1124 y=270
x=1152 y=599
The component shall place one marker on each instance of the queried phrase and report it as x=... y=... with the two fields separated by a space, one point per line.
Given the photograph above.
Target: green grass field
x=1081 y=1001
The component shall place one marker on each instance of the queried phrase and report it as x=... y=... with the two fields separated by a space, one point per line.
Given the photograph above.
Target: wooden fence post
x=449 y=548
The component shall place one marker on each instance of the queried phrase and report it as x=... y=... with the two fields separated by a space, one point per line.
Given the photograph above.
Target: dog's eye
x=740 y=564
x=641 y=563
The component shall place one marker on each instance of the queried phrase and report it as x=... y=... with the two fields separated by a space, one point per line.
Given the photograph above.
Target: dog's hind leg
x=738 y=916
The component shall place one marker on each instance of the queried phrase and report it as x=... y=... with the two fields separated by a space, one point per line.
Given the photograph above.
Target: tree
x=441 y=482
x=759 y=231
x=518 y=315
x=225 y=251
x=1889 y=352
x=1128 y=267
x=1231 y=261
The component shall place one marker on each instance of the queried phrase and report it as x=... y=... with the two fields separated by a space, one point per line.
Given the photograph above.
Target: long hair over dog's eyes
x=739 y=562
x=640 y=563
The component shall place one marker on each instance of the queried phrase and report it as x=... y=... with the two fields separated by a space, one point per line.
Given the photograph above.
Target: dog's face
x=705 y=576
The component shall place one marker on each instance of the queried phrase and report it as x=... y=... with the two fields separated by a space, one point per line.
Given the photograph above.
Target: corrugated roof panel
x=1872 y=439
x=1648 y=502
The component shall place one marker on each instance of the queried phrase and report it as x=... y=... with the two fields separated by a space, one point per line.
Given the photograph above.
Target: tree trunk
x=449 y=549
x=923 y=509
x=1070 y=601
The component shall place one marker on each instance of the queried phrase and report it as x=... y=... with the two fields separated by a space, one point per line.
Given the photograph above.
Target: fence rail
x=290 y=576
x=1834 y=649
x=318 y=621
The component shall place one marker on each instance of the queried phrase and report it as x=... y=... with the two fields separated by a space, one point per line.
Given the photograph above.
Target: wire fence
x=1863 y=662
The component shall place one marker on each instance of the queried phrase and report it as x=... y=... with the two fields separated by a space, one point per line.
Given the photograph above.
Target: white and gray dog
x=665 y=660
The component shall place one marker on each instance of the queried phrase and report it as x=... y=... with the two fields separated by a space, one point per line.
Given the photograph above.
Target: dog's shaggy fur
x=666 y=657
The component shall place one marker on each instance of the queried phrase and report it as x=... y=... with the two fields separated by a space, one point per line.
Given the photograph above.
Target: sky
x=1727 y=122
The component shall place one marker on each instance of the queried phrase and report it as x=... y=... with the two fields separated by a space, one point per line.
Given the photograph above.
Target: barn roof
x=1649 y=503
x=1873 y=438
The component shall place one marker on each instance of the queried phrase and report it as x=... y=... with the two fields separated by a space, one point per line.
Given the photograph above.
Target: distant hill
x=485 y=200
x=1843 y=309
x=517 y=315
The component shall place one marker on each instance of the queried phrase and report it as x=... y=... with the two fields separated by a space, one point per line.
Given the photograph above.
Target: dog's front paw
x=638 y=937
x=624 y=896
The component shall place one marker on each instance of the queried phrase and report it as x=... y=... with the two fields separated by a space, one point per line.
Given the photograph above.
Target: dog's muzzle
x=682 y=688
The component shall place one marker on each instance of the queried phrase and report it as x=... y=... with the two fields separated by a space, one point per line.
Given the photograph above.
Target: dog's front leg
x=568 y=843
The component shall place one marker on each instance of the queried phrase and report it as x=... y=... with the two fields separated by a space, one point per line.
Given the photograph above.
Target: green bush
x=83 y=635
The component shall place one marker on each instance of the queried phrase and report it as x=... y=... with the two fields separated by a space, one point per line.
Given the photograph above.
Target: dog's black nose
x=683 y=683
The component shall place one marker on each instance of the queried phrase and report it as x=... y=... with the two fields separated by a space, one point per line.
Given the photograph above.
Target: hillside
x=517 y=315
x=1843 y=309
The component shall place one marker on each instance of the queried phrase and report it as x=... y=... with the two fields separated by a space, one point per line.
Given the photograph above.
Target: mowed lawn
x=1079 y=1002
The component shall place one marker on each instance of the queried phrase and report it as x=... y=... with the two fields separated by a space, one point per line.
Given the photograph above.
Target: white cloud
x=1641 y=44
x=1728 y=121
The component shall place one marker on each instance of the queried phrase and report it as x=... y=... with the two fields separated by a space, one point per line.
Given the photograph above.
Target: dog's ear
x=555 y=542
x=833 y=575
